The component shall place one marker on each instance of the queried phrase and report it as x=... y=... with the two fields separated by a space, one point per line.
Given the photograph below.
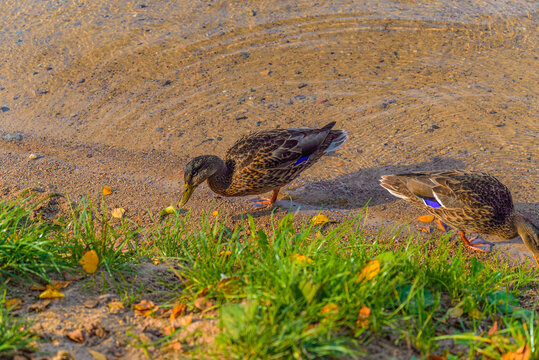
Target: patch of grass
x=28 y=247
x=14 y=332
x=298 y=293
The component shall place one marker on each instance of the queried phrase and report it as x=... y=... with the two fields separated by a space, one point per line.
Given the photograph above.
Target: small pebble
x=302 y=85
x=17 y=137
x=322 y=100
x=245 y=54
x=34 y=156
x=4 y=108
x=265 y=72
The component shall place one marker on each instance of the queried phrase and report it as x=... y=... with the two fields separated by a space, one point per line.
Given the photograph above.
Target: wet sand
x=125 y=93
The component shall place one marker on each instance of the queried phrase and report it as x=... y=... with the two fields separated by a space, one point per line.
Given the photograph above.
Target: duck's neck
x=528 y=232
x=222 y=177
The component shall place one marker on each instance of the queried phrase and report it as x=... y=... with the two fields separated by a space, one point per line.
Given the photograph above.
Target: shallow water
x=418 y=85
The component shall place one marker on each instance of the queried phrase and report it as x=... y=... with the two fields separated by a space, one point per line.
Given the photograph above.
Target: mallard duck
x=262 y=161
x=467 y=201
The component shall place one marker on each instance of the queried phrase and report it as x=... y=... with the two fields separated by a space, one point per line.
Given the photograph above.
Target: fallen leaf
x=144 y=308
x=91 y=303
x=329 y=309
x=320 y=219
x=436 y=357
x=369 y=271
x=363 y=317
x=89 y=261
x=455 y=312
x=76 y=336
x=97 y=355
x=168 y=210
x=426 y=218
x=107 y=190
x=494 y=328
x=225 y=253
x=118 y=213
x=522 y=353
x=99 y=330
x=51 y=293
x=55 y=284
x=39 y=306
x=302 y=258
x=13 y=304
x=177 y=310
x=182 y=321
x=215 y=213
x=115 y=306
x=202 y=303
x=156 y=261
x=174 y=346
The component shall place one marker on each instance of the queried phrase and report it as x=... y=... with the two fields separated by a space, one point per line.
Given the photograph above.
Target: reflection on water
x=409 y=80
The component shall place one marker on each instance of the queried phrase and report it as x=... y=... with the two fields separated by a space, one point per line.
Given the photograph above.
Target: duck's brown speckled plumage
x=471 y=201
x=264 y=160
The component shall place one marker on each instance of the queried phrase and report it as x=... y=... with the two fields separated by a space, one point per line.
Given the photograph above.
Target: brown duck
x=467 y=201
x=262 y=161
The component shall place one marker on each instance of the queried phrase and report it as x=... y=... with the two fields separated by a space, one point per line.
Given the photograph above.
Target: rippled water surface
x=432 y=84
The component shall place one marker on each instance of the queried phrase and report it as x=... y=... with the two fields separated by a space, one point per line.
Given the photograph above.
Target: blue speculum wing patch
x=432 y=203
x=303 y=159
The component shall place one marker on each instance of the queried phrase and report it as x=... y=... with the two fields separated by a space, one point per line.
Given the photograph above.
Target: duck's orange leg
x=441 y=225
x=477 y=247
x=265 y=203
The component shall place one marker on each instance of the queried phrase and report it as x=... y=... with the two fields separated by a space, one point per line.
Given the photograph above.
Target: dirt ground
x=124 y=93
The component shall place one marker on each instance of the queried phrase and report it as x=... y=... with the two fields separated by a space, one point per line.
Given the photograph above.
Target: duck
x=468 y=201
x=261 y=162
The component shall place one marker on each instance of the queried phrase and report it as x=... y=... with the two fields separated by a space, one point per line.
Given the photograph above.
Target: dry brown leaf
x=369 y=271
x=363 y=317
x=436 y=357
x=97 y=355
x=426 y=218
x=76 y=336
x=182 y=321
x=174 y=346
x=99 y=330
x=115 y=306
x=494 y=329
x=202 y=303
x=107 y=190
x=39 y=306
x=522 y=353
x=91 y=303
x=13 y=304
x=177 y=310
x=145 y=308
x=118 y=213
x=51 y=293
x=89 y=261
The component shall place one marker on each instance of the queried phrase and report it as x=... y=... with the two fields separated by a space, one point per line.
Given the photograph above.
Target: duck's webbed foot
x=476 y=243
x=265 y=203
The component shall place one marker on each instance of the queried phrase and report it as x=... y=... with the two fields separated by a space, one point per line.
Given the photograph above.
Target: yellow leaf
x=107 y=190
x=89 y=261
x=155 y=260
x=329 y=309
x=97 y=355
x=225 y=253
x=426 y=218
x=522 y=353
x=476 y=314
x=319 y=219
x=145 y=308
x=118 y=213
x=51 y=293
x=302 y=258
x=363 y=317
x=369 y=271
x=115 y=306
x=13 y=304
x=167 y=210
x=215 y=213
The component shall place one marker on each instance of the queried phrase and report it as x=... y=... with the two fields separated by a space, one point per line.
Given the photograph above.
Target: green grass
x=14 y=332
x=297 y=290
